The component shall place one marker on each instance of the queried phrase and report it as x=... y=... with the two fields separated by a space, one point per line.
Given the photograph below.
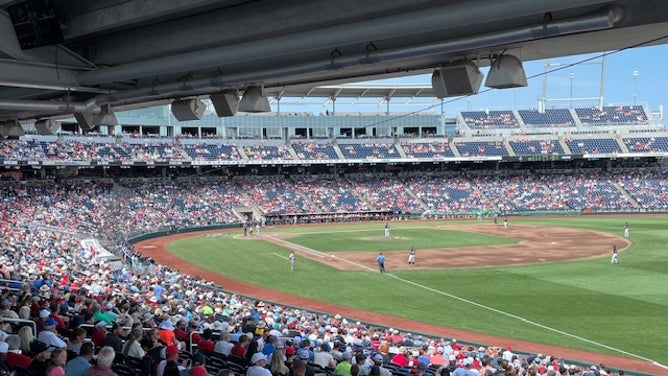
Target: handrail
x=32 y=324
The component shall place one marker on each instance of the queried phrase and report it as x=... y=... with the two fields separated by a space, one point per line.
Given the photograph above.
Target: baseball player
x=615 y=258
x=387 y=229
x=291 y=257
x=626 y=230
x=381 y=262
x=411 y=257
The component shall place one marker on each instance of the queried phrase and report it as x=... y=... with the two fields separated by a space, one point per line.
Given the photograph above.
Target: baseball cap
x=50 y=322
x=378 y=358
x=280 y=345
x=304 y=354
x=257 y=357
x=346 y=355
x=289 y=350
x=171 y=350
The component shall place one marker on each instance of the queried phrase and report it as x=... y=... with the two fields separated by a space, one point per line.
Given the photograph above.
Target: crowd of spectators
x=107 y=150
x=141 y=318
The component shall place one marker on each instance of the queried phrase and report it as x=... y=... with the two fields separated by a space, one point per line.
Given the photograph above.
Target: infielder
x=614 y=259
x=411 y=257
x=292 y=260
x=626 y=230
x=387 y=229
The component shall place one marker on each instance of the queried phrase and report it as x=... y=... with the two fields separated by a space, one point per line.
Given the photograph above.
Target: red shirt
x=239 y=351
x=98 y=338
x=400 y=360
x=18 y=360
x=206 y=345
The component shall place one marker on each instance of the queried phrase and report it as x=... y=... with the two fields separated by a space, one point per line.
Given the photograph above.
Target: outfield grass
x=622 y=306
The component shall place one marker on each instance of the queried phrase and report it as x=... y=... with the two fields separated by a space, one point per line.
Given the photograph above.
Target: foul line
x=281 y=256
x=527 y=321
x=455 y=297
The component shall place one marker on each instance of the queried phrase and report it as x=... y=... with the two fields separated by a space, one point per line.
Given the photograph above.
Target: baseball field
x=542 y=280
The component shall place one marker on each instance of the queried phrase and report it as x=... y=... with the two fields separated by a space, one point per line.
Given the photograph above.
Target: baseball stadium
x=157 y=222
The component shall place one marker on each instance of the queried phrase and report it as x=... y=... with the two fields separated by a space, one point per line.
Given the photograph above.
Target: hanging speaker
x=11 y=129
x=46 y=127
x=254 y=101
x=84 y=120
x=225 y=103
x=105 y=117
x=188 y=109
x=456 y=79
x=506 y=72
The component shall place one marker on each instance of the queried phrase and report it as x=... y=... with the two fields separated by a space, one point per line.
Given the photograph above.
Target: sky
x=648 y=87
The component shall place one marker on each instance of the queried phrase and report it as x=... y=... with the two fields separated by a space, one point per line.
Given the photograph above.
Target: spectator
x=105 y=359
x=79 y=365
x=132 y=346
x=48 y=335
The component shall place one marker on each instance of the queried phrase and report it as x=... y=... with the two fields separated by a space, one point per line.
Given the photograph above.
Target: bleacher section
x=536 y=147
x=481 y=148
x=156 y=151
x=649 y=189
x=593 y=146
x=434 y=149
x=549 y=118
x=331 y=195
x=314 y=150
x=612 y=115
x=274 y=195
x=212 y=151
x=490 y=119
x=385 y=193
x=267 y=152
x=646 y=144
x=447 y=194
x=369 y=151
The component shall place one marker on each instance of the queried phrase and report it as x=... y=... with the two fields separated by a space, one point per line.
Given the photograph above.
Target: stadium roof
x=355 y=91
x=88 y=57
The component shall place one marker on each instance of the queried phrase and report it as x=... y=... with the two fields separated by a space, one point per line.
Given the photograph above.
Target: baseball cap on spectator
x=280 y=345
x=303 y=354
x=101 y=323
x=257 y=357
x=171 y=350
x=378 y=358
x=44 y=313
x=50 y=322
x=346 y=355
x=289 y=350
x=467 y=361
x=440 y=350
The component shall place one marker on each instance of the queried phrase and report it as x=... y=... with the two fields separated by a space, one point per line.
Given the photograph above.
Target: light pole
x=571 y=76
x=635 y=86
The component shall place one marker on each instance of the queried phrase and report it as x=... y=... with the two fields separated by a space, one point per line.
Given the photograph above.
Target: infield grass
x=585 y=304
